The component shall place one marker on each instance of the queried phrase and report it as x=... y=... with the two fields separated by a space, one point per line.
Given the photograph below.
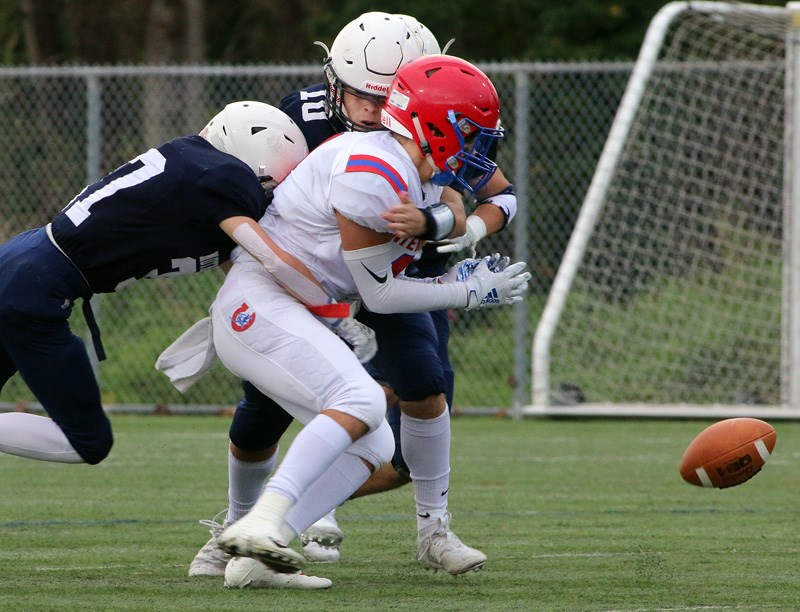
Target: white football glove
x=488 y=289
x=476 y=229
x=360 y=338
x=464 y=268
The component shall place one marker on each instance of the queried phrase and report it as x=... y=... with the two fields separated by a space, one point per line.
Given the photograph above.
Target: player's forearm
x=381 y=292
x=455 y=202
x=284 y=267
x=492 y=217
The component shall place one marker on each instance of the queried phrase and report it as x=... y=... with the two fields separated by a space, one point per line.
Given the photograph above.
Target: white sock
x=426 y=449
x=35 y=437
x=330 y=490
x=318 y=445
x=245 y=483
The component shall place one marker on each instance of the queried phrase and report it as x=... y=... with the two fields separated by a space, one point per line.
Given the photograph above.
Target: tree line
x=57 y=32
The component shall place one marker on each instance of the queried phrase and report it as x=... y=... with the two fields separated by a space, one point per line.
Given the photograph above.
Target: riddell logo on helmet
x=376 y=87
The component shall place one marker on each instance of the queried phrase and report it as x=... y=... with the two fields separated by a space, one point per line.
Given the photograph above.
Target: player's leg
x=264 y=336
x=329 y=490
x=258 y=421
x=257 y=426
x=395 y=473
x=341 y=479
x=7 y=367
x=55 y=366
x=408 y=356
x=441 y=323
x=317 y=543
x=37 y=287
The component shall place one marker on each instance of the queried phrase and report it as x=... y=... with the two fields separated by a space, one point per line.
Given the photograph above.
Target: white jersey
x=357 y=174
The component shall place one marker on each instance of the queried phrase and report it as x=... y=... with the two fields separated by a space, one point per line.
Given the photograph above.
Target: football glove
x=464 y=268
x=360 y=338
x=488 y=289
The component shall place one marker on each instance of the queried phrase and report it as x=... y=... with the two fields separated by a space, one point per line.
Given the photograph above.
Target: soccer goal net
x=679 y=291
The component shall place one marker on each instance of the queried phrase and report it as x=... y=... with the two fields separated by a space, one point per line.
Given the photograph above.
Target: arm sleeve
x=384 y=293
x=306 y=290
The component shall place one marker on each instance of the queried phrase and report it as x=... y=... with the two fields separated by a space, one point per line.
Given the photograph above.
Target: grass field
x=573 y=515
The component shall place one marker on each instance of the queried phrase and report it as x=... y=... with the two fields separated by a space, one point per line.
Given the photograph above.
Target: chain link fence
x=68 y=126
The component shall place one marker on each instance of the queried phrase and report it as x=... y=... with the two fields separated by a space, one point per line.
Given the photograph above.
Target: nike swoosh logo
x=380 y=279
x=445 y=491
x=426 y=515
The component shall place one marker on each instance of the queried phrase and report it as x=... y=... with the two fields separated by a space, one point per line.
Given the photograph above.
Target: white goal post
x=679 y=292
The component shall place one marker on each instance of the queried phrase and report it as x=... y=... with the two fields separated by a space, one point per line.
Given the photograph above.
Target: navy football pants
x=38 y=286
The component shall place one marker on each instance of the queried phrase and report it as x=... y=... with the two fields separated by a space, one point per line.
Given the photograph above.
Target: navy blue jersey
x=306 y=107
x=158 y=215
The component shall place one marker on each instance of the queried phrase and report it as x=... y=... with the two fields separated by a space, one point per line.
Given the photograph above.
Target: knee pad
x=364 y=400
x=376 y=448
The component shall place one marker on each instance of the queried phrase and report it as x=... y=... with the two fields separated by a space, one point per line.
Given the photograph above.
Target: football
x=728 y=453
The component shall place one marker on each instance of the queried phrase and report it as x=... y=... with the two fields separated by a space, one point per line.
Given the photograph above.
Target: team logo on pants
x=241 y=319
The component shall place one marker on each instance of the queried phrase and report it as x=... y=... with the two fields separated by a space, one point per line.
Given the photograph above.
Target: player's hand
x=404 y=218
x=476 y=229
x=488 y=289
x=360 y=338
x=464 y=268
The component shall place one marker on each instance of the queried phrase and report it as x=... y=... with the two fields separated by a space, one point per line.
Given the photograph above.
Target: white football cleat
x=211 y=560
x=321 y=541
x=246 y=573
x=252 y=536
x=321 y=554
x=439 y=548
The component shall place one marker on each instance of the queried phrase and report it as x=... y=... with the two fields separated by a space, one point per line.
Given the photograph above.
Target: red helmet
x=451 y=110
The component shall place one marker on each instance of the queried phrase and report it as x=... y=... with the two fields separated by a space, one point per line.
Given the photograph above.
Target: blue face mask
x=476 y=168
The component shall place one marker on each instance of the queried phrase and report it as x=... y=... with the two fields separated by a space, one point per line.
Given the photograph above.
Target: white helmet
x=363 y=60
x=262 y=136
x=425 y=39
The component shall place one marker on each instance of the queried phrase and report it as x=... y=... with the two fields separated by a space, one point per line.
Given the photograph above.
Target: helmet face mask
x=260 y=135
x=452 y=112
x=470 y=168
x=363 y=61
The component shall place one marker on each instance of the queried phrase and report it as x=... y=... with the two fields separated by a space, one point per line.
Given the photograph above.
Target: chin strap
x=425 y=147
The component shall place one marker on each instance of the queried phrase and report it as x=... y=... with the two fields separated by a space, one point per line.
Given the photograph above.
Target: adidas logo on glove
x=491 y=298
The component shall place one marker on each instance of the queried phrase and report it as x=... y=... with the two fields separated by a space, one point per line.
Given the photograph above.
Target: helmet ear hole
x=435 y=131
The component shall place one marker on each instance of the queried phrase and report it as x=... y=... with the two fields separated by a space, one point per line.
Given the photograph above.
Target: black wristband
x=439 y=221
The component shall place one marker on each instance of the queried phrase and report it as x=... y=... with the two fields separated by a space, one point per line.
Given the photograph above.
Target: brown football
x=728 y=453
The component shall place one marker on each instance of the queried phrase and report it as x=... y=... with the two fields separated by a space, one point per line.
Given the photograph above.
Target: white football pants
x=265 y=336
